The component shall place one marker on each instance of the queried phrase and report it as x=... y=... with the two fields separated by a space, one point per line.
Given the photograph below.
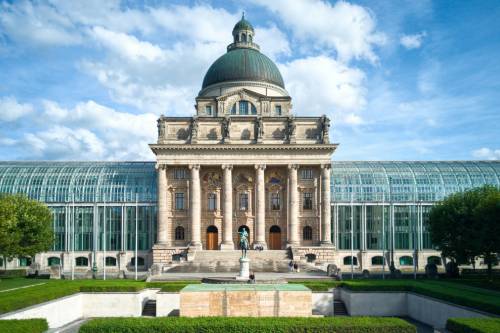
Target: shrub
x=24 y=325
x=473 y=325
x=250 y=325
x=11 y=273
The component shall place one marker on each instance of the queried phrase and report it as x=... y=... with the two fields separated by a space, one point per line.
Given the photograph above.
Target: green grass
x=53 y=289
x=24 y=326
x=16 y=283
x=318 y=285
x=473 y=325
x=248 y=325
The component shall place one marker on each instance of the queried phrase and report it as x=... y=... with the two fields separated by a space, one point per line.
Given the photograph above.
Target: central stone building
x=243 y=161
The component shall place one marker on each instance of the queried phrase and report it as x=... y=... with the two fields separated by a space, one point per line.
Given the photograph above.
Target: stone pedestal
x=244 y=269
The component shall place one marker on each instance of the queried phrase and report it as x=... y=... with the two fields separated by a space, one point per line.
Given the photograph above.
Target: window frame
x=275 y=201
x=180 y=201
x=212 y=202
x=307 y=200
x=243 y=198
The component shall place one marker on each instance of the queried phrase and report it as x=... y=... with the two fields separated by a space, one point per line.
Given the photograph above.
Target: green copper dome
x=243 y=64
x=243 y=25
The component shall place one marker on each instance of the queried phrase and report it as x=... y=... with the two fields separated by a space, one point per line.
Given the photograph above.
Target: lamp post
x=136 y=215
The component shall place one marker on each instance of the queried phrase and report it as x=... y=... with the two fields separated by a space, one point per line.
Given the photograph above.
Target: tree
x=465 y=225
x=25 y=227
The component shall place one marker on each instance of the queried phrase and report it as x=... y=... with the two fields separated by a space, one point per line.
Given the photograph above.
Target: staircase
x=149 y=309
x=228 y=261
x=339 y=308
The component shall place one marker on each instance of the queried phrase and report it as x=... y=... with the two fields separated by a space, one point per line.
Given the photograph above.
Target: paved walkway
x=258 y=275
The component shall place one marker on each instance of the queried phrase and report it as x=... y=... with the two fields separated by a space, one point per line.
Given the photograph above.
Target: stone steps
x=149 y=309
x=339 y=308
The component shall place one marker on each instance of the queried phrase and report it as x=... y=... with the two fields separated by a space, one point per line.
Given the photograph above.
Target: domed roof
x=243 y=25
x=243 y=64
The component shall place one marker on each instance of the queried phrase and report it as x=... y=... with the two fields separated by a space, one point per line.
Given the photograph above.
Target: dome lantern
x=243 y=34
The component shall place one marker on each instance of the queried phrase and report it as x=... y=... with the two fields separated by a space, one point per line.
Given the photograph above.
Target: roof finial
x=243 y=15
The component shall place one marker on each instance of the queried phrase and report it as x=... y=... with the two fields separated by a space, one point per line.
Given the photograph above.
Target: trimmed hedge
x=248 y=325
x=473 y=325
x=12 y=273
x=111 y=288
x=24 y=325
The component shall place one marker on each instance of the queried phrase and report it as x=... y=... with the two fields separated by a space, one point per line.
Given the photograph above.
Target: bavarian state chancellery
x=244 y=161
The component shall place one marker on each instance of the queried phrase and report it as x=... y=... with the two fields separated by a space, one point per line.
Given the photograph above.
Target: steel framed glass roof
x=63 y=182
x=415 y=181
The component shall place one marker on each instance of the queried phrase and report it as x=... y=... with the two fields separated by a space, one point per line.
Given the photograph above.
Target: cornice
x=243 y=147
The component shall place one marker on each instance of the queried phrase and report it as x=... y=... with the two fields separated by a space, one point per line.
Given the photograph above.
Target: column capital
x=227 y=166
x=160 y=166
x=293 y=166
x=194 y=167
x=326 y=166
x=260 y=166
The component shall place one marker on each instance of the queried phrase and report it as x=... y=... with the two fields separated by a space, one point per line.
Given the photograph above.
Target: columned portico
x=162 y=204
x=260 y=235
x=293 y=235
x=326 y=226
x=195 y=206
x=227 y=228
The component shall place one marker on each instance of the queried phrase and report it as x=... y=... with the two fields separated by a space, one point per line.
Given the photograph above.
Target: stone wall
x=323 y=254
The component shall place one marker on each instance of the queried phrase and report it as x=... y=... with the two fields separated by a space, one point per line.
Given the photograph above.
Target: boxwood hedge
x=248 y=325
x=24 y=325
x=473 y=325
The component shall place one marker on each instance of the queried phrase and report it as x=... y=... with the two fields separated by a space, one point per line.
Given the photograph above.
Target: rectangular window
x=208 y=110
x=308 y=202
x=179 y=201
x=212 y=202
x=275 y=201
x=243 y=107
x=180 y=174
x=277 y=110
x=306 y=174
x=244 y=201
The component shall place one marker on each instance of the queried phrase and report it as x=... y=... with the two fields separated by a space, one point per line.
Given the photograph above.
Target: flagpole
x=73 y=238
x=136 y=216
x=104 y=243
x=383 y=235
x=352 y=238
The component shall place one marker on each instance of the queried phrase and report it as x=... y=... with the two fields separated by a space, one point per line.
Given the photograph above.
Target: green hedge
x=248 y=325
x=111 y=288
x=24 y=326
x=11 y=273
x=473 y=325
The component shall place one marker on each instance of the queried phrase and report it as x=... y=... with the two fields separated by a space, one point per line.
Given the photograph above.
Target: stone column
x=227 y=220
x=195 y=207
x=260 y=230
x=326 y=223
x=162 y=204
x=294 y=206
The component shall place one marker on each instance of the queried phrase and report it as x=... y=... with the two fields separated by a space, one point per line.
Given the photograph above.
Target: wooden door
x=212 y=240
x=275 y=238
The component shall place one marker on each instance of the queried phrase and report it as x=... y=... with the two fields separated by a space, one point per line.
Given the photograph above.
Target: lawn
x=11 y=283
x=459 y=293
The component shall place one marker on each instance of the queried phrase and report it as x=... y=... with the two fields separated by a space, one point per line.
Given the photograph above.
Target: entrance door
x=275 y=238
x=212 y=238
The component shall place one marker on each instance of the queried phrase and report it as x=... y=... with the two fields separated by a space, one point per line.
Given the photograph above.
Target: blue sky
x=401 y=80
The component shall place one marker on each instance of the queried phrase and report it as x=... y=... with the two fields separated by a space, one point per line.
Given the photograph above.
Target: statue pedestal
x=244 y=269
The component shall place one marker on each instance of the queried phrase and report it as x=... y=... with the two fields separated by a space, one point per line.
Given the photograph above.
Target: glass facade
x=375 y=205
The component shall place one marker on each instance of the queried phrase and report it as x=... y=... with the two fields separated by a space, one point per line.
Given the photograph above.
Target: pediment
x=243 y=94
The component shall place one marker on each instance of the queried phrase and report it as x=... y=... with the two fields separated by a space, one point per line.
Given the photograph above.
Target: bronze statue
x=243 y=242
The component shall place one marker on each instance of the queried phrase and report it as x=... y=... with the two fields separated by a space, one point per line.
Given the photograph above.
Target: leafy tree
x=25 y=227
x=466 y=225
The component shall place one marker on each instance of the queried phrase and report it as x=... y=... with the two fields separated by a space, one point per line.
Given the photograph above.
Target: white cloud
x=412 y=41
x=349 y=29
x=322 y=85
x=11 y=110
x=127 y=46
x=273 y=42
x=486 y=153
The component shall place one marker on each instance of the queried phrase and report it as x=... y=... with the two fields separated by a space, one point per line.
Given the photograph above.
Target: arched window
x=24 y=261
x=179 y=233
x=243 y=108
x=434 y=260
x=82 y=261
x=347 y=260
x=110 y=261
x=311 y=257
x=377 y=261
x=307 y=233
x=212 y=202
x=52 y=261
x=140 y=261
x=243 y=38
x=250 y=38
x=406 y=261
